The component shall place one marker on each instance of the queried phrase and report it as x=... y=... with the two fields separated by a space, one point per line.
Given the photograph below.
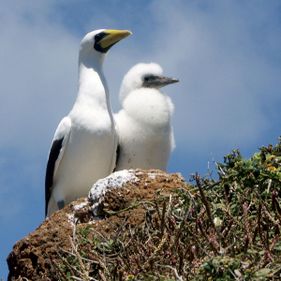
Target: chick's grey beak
x=159 y=81
x=167 y=80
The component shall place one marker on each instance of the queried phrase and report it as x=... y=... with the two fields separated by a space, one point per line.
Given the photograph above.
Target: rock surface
x=41 y=254
x=148 y=225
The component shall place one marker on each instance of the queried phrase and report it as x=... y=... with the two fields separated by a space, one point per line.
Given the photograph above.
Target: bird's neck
x=92 y=90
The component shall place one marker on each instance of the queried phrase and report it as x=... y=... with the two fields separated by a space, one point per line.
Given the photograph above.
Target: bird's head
x=144 y=75
x=97 y=43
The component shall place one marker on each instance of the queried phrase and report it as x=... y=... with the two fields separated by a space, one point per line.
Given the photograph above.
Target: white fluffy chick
x=143 y=124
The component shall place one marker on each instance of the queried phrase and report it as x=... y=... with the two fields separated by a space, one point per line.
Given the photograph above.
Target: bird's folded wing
x=58 y=146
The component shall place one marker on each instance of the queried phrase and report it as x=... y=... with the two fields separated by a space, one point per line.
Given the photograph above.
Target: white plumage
x=144 y=123
x=84 y=144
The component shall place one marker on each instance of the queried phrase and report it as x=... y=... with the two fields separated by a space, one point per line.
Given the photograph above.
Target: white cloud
x=37 y=73
x=224 y=74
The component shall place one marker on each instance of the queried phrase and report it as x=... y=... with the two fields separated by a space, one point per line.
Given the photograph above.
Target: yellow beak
x=113 y=36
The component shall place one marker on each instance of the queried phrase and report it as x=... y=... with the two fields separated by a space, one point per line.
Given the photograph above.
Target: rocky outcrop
x=118 y=204
x=149 y=225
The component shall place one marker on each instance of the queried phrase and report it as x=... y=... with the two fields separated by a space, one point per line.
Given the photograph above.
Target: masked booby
x=84 y=145
x=144 y=123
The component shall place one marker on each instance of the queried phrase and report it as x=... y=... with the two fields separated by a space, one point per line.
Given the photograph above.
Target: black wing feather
x=53 y=156
x=118 y=153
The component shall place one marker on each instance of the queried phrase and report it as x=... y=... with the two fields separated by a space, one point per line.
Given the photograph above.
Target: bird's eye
x=148 y=78
x=98 y=38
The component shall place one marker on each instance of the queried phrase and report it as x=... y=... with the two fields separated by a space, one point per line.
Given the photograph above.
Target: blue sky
x=227 y=55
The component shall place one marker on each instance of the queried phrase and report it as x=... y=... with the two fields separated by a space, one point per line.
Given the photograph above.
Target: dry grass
x=225 y=229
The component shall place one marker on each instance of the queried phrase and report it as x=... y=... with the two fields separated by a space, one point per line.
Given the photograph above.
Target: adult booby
x=144 y=123
x=84 y=145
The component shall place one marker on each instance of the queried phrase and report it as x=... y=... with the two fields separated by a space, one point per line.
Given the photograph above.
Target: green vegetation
x=224 y=229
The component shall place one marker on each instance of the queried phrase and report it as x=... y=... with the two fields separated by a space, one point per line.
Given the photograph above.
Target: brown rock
x=43 y=254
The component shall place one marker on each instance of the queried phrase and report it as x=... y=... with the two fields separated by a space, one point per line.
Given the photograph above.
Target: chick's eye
x=148 y=78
